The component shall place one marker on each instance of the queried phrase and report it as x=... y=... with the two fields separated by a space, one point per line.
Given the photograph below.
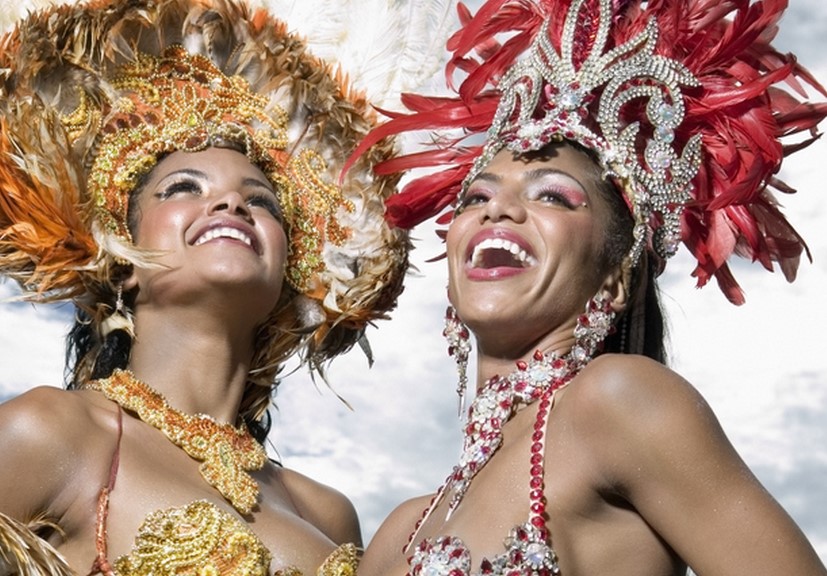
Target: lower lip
x=499 y=273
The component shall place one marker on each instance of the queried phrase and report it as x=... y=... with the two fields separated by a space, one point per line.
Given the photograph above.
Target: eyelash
x=267 y=202
x=557 y=197
x=255 y=200
x=189 y=186
x=472 y=199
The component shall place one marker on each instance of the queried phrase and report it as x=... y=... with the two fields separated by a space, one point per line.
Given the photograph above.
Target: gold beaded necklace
x=226 y=452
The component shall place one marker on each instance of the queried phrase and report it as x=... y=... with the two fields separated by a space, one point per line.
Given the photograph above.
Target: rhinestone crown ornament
x=656 y=91
x=548 y=97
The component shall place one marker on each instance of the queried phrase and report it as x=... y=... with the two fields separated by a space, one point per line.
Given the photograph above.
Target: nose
x=505 y=205
x=230 y=202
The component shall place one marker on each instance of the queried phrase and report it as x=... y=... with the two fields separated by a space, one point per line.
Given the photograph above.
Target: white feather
x=12 y=11
x=385 y=47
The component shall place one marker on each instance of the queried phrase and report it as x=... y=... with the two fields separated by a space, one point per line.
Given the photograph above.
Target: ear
x=130 y=281
x=616 y=286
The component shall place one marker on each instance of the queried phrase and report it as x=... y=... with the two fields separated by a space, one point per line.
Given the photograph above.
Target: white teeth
x=501 y=244
x=223 y=232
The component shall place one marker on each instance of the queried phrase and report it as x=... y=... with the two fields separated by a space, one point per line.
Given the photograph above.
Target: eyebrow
x=247 y=181
x=533 y=174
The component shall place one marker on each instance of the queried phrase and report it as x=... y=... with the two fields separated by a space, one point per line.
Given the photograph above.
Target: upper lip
x=227 y=228
x=499 y=238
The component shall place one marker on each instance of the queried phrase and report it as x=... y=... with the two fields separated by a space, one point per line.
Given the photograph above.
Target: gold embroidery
x=226 y=452
x=197 y=540
x=182 y=101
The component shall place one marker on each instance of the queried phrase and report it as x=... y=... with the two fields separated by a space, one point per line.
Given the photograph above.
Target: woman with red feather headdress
x=588 y=140
x=170 y=168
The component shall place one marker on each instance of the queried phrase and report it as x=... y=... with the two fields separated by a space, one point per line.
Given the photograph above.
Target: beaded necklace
x=226 y=452
x=495 y=404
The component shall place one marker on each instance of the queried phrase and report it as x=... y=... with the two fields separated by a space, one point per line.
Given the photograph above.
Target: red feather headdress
x=685 y=103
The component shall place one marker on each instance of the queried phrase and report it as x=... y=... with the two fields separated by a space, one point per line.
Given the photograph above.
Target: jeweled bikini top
x=528 y=548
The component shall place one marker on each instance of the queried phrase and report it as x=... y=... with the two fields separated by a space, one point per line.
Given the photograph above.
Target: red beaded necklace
x=495 y=404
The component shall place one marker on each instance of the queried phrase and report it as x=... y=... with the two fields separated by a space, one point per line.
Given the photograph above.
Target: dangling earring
x=459 y=346
x=120 y=319
x=593 y=326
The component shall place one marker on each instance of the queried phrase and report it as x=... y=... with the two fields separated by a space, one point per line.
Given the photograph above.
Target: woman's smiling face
x=217 y=221
x=525 y=252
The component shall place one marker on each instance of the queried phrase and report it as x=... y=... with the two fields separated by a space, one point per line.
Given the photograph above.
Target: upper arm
x=385 y=548
x=327 y=509
x=669 y=457
x=34 y=461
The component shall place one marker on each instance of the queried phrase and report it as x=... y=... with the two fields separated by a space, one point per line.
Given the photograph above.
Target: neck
x=197 y=359
x=497 y=359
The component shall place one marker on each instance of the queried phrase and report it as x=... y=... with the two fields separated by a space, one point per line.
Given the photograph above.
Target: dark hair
x=641 y=329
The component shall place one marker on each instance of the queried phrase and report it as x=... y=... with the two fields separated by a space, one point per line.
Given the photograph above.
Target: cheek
x=277 y=241
x=160 y=227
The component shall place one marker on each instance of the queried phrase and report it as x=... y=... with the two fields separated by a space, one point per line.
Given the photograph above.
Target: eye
x=562 y=197
x=268 y=202
x=473 y=197
x=185 y=186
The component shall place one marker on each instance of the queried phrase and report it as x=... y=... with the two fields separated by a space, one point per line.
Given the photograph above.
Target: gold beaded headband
x=93 y=94
x=182 y=102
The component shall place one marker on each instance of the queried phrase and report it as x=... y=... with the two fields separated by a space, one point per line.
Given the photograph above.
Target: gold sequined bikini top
x=199 y=539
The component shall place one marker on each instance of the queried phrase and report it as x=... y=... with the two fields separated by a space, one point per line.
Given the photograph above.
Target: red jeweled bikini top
x=528 y=546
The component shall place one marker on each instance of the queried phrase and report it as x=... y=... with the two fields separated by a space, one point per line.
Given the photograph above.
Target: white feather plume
x=385 y=47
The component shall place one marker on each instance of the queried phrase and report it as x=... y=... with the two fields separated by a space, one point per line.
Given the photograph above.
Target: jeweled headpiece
x=680 y=104
x=93 y=94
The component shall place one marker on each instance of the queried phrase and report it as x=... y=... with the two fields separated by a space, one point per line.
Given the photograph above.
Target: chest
x=160 y=496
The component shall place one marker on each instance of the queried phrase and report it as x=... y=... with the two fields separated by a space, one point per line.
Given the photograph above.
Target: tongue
x=497 y=258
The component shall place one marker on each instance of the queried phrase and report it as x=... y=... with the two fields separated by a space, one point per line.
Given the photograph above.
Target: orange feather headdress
x=92 y=94
x=683 y=102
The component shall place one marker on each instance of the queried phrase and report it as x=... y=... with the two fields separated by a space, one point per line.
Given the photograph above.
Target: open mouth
x=224 y=232
x=500 y=253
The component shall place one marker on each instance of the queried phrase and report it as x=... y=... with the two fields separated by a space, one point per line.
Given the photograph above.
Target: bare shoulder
x=655 y=442
x=43 y=418
x=636 y=389
x=630 y=409
x=63 y=429
x=324 y=506
x=385 y=548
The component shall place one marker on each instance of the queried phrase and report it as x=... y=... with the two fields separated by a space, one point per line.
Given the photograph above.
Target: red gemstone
x=521 y=365
x=538 y=355
x=536 y=447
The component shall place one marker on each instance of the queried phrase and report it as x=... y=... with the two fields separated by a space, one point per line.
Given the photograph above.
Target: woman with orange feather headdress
x=588 y=140
x=171 y=167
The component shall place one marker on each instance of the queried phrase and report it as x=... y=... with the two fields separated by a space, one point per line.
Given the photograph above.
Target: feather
x=750 y=97
x=23 y=553
x=44 y=242
x=387 y=48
